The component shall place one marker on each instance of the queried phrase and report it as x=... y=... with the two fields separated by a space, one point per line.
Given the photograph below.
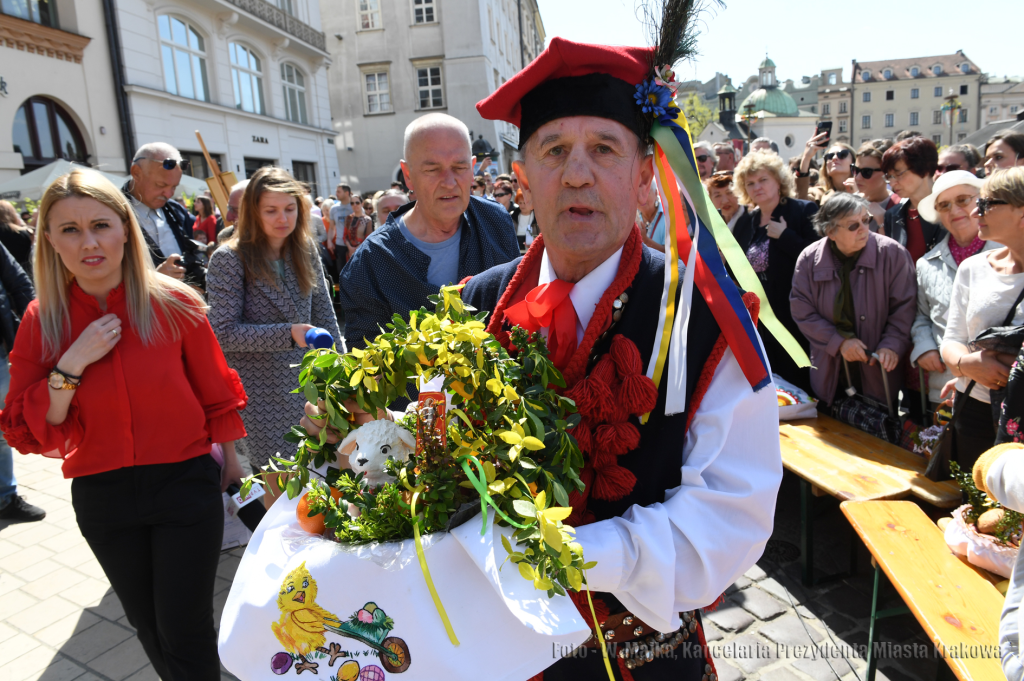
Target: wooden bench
x=834 y=459
x=954 y=602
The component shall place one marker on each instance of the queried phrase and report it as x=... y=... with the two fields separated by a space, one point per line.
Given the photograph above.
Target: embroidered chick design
x=301 y=627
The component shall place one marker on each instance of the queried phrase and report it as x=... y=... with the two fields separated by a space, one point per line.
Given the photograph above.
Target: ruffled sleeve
x=217 y=387
x=23 y=419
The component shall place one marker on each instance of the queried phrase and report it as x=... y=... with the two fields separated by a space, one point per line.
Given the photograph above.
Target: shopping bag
x=864 y=413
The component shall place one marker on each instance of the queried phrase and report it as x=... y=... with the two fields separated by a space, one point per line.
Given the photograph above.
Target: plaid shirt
x=388 y=274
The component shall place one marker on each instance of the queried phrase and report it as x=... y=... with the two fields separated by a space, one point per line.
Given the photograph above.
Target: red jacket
x=137 y=405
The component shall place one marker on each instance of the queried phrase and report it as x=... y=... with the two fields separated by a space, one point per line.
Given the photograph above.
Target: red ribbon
x=549 y=306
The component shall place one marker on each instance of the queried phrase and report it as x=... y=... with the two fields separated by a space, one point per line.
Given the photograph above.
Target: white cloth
x=525 y=220
x=666 y=558
x=587 y=292
x=981 y=299
x=1005 y=483
x=153 y=221
x=340 y=211
x=736 y=218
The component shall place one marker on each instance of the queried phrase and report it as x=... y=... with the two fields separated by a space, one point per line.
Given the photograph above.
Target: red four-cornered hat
x=572 y=79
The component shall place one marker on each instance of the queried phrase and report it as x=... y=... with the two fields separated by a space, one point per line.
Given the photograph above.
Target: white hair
x=238 y=186
x=156 y=151
x=433 y=121
x=725 y=145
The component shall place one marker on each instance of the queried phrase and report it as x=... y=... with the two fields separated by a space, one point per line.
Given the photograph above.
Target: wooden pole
x=218 y=188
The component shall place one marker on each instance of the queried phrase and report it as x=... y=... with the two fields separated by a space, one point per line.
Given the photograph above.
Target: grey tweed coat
x=252 y=321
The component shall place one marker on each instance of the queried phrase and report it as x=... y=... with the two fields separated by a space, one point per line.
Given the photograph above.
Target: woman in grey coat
x=951 y=202
x=266 y=288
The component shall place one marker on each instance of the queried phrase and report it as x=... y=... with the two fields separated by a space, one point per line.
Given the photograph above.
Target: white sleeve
x=666 y=558
x=956 y=320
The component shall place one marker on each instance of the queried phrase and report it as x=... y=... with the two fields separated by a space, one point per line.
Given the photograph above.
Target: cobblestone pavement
x=60 y=620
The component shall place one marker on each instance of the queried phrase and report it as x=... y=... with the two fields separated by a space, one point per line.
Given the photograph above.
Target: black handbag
x=867 y=414
x=990 y=339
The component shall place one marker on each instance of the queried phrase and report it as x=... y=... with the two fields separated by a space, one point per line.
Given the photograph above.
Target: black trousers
x=974 y=432
x=156 y=531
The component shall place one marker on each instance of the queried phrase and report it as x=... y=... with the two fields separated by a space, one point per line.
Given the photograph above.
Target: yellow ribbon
x=597 y=632
x=423 y=561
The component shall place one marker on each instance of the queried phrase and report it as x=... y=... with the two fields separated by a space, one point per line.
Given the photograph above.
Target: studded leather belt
x=626 y=627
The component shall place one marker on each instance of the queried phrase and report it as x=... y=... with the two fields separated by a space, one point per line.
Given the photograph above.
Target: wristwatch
x=59 y=380
x=799 y=174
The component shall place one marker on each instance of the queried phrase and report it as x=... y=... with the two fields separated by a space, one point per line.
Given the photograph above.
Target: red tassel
x=583 y=436
x=605 y=371
x=612 y=483
x=620 y=411
x=626 y=357
x=638 y=394
x=714 y=606
x=593 y=398
x=617 y=439
x=578 y=500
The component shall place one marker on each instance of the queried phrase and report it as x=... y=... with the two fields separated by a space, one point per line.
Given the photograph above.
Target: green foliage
x=1008 y=530
x=698 y=114
x=506 y=424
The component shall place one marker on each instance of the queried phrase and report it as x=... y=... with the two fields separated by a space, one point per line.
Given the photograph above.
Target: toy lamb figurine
x=375 y=442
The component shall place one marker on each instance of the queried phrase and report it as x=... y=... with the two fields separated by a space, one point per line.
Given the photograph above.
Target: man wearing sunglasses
x=706 y=159
x=167 y=226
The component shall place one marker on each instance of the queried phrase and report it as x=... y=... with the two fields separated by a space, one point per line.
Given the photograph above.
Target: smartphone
x=824 y=127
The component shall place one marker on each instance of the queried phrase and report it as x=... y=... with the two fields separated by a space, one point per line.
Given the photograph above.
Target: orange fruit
x=314 y=525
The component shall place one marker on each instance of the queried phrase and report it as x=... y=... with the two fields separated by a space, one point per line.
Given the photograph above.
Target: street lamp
x=748 y=116
x=952 y=105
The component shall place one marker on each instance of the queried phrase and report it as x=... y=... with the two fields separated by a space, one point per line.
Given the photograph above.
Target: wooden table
x=954 y=602
x=834 y=459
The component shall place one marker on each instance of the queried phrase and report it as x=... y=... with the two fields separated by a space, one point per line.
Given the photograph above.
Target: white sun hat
x=946 y=181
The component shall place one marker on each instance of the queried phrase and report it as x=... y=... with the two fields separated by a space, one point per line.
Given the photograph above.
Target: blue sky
x=803 y=37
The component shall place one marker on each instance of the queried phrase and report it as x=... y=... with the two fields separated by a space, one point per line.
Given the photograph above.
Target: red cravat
x=549 y=306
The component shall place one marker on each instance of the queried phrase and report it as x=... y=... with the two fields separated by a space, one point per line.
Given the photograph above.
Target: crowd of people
x=887 y=258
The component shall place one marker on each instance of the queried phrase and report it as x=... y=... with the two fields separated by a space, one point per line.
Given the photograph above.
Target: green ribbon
x=734 y=255
x=479 y=483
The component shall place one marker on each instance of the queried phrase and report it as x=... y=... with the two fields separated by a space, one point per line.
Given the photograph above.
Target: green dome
x=728 y=89
x=767 y=63
x=773 y=100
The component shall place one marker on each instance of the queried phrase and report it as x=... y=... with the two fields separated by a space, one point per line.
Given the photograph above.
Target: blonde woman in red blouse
x=117 y=371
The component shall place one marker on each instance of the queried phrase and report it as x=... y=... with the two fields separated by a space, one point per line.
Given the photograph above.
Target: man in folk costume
x=680 y=504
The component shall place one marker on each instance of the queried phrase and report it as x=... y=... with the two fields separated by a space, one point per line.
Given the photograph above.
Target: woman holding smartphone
x=116 y=370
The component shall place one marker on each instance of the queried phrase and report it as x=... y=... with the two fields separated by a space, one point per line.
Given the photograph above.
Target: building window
x=197 y=165
x=369 y=15
x=865 y=75
x=497 y=79
x=490 y=23
x=429 y=88
x=288 y=6
x=1014 y=109
x=915 y=118
x=937 y=70
x=842 y=125
x=890 y=120
x=961 y=136
x=423 y=11
x=963 y=89
x=938 y=90
x=887 y=74
x=294 y=94
x=865 y=122
x=306 y=173
x=184 y=58
x=915 y=72
x=961 y=116
x=993 y=109
x=965 y=68
x=936 y=117
x=867 y=97
x=37 y=11
x=44 y=132
x=842 y=107
x=937 y=139
x=890 y=95
x=831 y=79
x=247 y=79
x=378 y=92
x=915 y=93
x=826 y=109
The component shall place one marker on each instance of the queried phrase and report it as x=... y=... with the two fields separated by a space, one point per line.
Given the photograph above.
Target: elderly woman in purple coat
x=854 y=295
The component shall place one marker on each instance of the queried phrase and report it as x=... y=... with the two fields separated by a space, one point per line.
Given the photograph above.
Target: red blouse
x=137 y=405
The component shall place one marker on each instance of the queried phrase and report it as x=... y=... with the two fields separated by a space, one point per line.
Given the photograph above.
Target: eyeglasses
x=863 y=222
x=167 y=163
x=889 y=177
x=948 y=168
x=703 y=158
x=867 y=173
x=962 y=201
x=497 y=194
x=985 y=205
x=841 y=154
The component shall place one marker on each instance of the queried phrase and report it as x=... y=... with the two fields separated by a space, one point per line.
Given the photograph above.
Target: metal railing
x=282 y=20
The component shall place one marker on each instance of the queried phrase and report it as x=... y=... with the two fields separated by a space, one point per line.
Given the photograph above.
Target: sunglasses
x=948 y=168
x=985 y=205
x=703 y=158
x=863 y=222
x=843 y=153
x=962 y=201
x=867 y=173
x=356 y=203
x=167 y=163
x=497 y=194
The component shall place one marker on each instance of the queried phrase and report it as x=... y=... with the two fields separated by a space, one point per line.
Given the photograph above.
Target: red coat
x=138 y=405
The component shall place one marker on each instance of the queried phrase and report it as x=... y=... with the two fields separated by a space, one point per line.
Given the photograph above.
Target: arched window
x=247 y=79
x=915 y=72
x=294 y=94
x=887 y=74
x=965 y=68
x=184 y=57
x=865 y=75
x=937 y=69
x=44 y=132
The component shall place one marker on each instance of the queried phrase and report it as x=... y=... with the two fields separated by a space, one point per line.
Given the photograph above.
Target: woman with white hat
x=950 y=203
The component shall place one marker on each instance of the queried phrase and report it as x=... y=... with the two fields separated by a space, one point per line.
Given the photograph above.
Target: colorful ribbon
x=479 y=483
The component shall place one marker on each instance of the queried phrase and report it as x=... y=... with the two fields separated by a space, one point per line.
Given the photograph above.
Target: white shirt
x=587 y=292
x=153 y=221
